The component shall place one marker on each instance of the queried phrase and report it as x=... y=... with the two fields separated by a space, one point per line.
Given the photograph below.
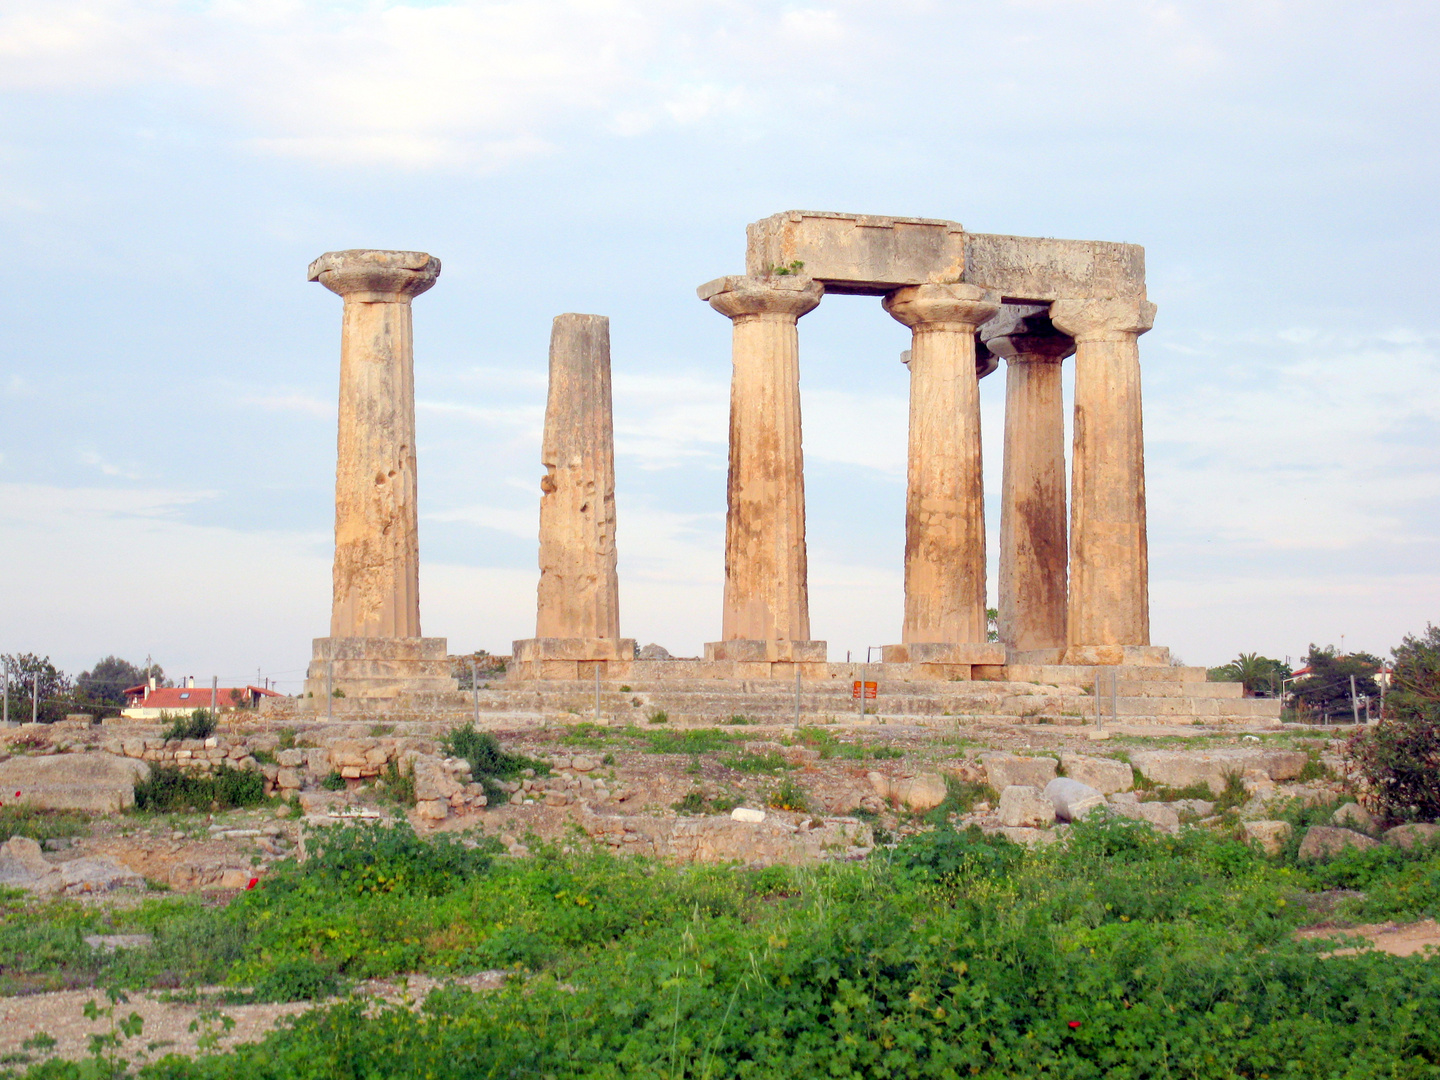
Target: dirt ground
x=60 y=1016
x=1397 y=939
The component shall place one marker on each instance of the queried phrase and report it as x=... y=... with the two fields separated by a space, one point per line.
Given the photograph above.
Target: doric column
x=766 y=594
x=1109 y=561
x=1032 y=499
x=375 y=648
x=577 y=623
x=377 y=557
x=945 y=497
x=579 y=594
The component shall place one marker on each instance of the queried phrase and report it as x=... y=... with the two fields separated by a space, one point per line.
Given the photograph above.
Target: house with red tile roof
x=148 y=702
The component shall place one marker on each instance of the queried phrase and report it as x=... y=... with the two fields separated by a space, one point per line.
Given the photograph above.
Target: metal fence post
x=475 y=688
x=597 y=691
x=329 y=689
x=35 y=699
x=797 y=697
x=214 y=693
x=7 y=692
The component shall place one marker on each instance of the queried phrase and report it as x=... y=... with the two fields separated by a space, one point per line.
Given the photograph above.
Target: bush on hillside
x=1398 y=759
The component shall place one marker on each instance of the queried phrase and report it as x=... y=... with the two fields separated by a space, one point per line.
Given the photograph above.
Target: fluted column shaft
x=945 y=495
x=1033 y=551
x=1109 y=602
x=377 y=560
x=766 y=590
x=579 y=592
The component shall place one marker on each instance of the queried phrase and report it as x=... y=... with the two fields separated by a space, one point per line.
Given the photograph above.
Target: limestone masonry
x=1074 y=571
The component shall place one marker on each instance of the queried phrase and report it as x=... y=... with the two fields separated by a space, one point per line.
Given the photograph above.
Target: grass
x=22 y=819
x=768 y=762
x=1116 y=952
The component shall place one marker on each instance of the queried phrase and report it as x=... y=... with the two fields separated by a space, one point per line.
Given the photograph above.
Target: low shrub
x=386 y=858
x=688 y=741
x=171 y=789
x=482 y=750
x=333 y=781
x=198 y=725
x=768 y=762
x=789 y=795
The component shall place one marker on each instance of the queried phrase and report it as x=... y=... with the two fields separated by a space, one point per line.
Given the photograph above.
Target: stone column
x=945 y=498
x=1109 y=608
x=577 y=621
x=1032 y=500
x=767 y=606
x=375 y=647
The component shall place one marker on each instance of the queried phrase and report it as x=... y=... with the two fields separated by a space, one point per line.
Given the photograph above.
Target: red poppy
x=17 y=794
x=253 y=882
x=1074 y=1023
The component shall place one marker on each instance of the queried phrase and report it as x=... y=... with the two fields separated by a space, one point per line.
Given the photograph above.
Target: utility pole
x=1354 y=708
x=35 y=699
x=7 y=693
x=214 y=692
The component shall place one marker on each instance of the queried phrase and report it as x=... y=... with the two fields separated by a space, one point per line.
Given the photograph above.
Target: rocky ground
x=751 y=794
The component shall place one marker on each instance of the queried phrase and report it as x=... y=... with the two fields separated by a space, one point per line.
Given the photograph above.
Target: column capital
x=1102 y=320
x=927 y=307
x=375 y=277
x=738 y=296
x=1026 y=335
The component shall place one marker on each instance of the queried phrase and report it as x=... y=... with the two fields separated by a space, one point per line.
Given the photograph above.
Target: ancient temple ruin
x=1073 y=565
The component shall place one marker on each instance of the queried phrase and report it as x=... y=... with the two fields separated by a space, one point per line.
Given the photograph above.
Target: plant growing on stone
x=789 y=795
x=198 y=725
x=333 y=781
x=789 y=269
x=171 y=789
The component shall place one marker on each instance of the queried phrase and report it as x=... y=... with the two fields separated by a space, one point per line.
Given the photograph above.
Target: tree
x=54 y=687
x=1398 y=759
x=1326 y=688
x=108 y=680
x=1260 y=674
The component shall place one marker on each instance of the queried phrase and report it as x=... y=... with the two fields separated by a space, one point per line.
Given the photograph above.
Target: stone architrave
x=767 y=608
x=375 y=647
x=1109 y=599
x=578 y=611
x=945 y=499
x=1033 y=550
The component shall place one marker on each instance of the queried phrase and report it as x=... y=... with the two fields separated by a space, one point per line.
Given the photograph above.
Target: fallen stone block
x=1353 y=816
x=1072 y=799
x=98 y=783
x=1022 y=806
x=1011 y=770
x=1270 y=835
x=97 y=874
x=922 y=792
x=1105 y=775
x=1161 y=815
x=1325 y=842
x=745 y=813
x=1413 y=835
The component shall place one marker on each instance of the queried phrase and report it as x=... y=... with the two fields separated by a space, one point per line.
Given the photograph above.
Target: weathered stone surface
x=115 y=942
x=1072 y=799
x=1006 y=770
x=1353 y=816
x=1181 y=768
x=1195 y=808
x=21 y=861
x=1022 y=806
x=1270 y=835
x=1324 y=842
x=1161 y=815
x=1109 y=597
x=377 y=563
x=579 y=591
x=766 y=590
x=1413 y=835
x=1033 y=552
x=1106 y=775
x=1030 y=837
x=97 y=874
x=871 y=255
x=746 y=813
x=654 y=652
x=922 y=792
x=96 y=782
x=945 y=497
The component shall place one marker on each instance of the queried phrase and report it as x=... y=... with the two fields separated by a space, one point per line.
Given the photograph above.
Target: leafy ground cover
x=1119 y=953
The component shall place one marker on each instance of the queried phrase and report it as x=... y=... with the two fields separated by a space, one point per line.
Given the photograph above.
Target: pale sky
x=168 y=377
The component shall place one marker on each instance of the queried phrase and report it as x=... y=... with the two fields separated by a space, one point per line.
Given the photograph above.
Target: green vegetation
x=171 y=789
x=1325 y=692
x=200 y=724
x=659 y=716
x=22 y=819
x=789 y=795
x=695 y=802
x=1399 y=758
x=1118 y=952
x=333 y=781
x=488 y=763
x=1260 y=674
x=768 y=762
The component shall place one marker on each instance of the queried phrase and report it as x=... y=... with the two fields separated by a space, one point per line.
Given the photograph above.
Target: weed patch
x=171 y=789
